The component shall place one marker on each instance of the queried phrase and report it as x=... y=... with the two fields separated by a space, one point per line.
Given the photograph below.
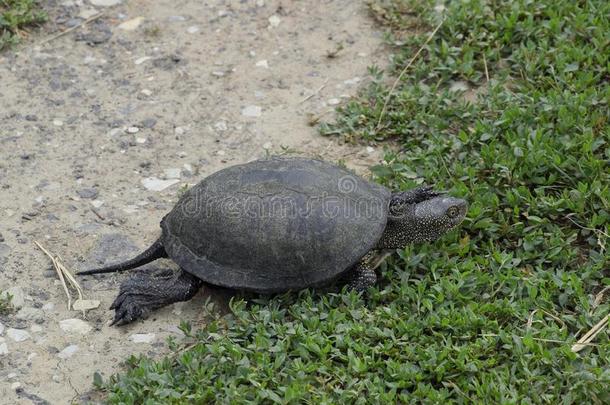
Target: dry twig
x=391 y=93
x=61 y=34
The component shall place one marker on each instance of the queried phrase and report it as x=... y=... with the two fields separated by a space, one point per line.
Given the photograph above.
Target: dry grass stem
x=590 y=335
x=421 y=48
x=63 y=273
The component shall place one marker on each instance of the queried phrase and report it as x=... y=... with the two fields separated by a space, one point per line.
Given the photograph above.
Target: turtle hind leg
x=145 y=292
x=361 y=279
x=362 y=276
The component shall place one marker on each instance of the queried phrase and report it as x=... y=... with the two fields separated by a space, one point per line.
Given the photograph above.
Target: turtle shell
x=275 y=225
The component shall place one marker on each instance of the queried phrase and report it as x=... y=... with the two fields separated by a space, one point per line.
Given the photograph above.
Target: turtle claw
x=127 y=309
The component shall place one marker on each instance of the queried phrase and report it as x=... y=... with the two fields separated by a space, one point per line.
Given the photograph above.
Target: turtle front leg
x=145 y=292
x=363 y=276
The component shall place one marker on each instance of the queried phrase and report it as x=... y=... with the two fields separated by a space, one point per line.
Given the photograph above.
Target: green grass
x=5 y=304
x=489 y=313
x=15 y=16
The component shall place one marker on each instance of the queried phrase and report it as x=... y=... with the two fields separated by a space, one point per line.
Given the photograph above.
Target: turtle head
x=422 y=221
x=435 y=217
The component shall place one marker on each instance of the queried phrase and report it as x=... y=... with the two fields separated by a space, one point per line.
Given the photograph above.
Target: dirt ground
x=101 y=127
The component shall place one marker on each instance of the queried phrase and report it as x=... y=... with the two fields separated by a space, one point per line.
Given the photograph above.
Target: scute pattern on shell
x=276 y=224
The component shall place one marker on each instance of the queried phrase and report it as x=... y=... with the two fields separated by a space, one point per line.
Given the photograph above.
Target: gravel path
x=100 y=128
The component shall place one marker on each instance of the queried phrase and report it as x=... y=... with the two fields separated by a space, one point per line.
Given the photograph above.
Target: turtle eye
x=453 y=212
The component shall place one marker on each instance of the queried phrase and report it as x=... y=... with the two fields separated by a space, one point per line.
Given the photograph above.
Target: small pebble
x=58 y=123
x=142 y=337
x=262 y=63
x=133 y=130
x=105 y=3
x=155 y=184
x=146 y=92
x=140 y=140
x=16 y=386
x=68 y=352
x=17 y=335
x=192 y=29
x=3 y=348
x=220 y=126
x=75 y=325
x=89 y=193
x=172 y=173
x=334 y=101
x=274 y=21
x=141 y=60
x=179 y=130
x=1 y=329
x=131 y=25
x=252 y=111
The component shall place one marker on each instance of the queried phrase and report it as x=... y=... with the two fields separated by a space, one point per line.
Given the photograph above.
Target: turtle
x=280 y=224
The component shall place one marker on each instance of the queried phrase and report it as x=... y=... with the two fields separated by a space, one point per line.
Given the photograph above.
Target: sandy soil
x=163 y=90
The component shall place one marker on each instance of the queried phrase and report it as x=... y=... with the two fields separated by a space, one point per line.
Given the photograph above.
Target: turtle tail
x=154 y=252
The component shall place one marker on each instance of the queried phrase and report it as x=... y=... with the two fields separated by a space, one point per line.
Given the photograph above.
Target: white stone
x=172 y=173
x=220 y=126
x=1 y=329
x=218 y=73
x=193 y=29
x=141 y=60
x=16 y=385
x=87 y=13
x=142 y=337
x=49 y=306
x=458 y=86
x=267 y=145
x=221 y=153
x=11 y=376
x=262 y=63
x=179 y=130
x=146 y=92
x=97 y=203
x=18 y=335
x=29 y=313
x=105 y=3
x=132 y=24
x=274 y=21
x=115 y=131
x=133 y=130
x=85 y=305
x=252 y=111
x=155 y=184
x=3 y=349
x=58 y=123
x=32 y=355
x=187 y=167
x=334 y=101
x=17 y=294
x=68 y=352
x=74 y=325
x=140 y=140
x=370 y=149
